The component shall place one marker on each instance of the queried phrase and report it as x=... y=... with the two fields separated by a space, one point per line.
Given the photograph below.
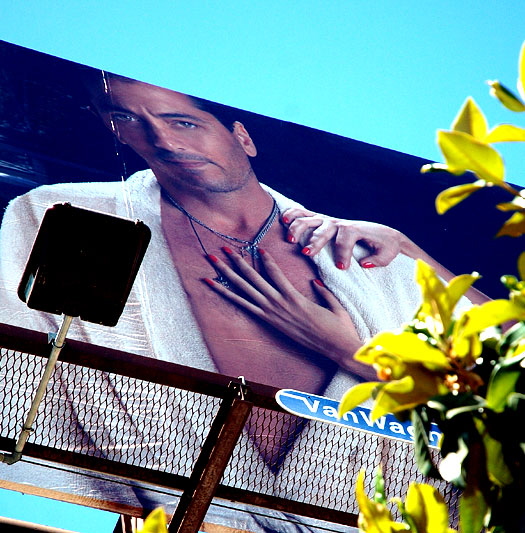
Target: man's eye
x=184 y=124
x=123 y=117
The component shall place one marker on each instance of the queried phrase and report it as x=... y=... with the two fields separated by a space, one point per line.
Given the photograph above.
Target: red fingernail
x=209 y=282
x=340 y=266
x=261 y=251
x=306 y=251
x=286 y=220
x=290 y=238
x=213 y=258
x=368 y=264
x=319 y=282
x=227 y=250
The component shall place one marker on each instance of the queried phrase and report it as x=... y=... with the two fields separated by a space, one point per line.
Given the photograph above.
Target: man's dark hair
x=95 y=82
x=224 y=114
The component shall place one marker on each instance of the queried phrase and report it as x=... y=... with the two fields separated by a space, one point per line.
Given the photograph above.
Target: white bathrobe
x=158 y=321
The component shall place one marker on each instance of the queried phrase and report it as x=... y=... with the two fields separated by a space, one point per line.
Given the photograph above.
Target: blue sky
x=387 y=73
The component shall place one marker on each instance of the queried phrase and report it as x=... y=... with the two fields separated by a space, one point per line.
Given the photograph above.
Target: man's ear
x=240 y=133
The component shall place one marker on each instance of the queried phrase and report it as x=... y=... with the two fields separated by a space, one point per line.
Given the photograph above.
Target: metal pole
x=212 y=461
x=56 y=346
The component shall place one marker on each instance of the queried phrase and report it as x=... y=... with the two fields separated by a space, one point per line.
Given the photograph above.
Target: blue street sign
x=325 y=410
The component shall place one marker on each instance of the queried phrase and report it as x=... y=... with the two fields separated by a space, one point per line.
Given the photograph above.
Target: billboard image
x=242 y=275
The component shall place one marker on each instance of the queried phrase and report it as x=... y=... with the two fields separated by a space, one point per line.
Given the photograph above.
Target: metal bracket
x=57 y=342
x=213 y=459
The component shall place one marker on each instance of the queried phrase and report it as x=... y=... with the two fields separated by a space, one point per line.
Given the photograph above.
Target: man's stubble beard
x=190 y=181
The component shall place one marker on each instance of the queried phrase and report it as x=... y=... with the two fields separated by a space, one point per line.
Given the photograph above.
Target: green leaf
x=471 y=120
x=394 y=399
x=379 y=494
x=406 y=346
x=505 y=133
x=454 y=195
x=497 y=469
x=489 y=314
x=517 y=204
x=464 y=152
x=511 y=338
x=435 y=302
x=439 y=300
x=472 y=511
x=427 y=508
x=521 y=265
x=506 y=97
x=503 y=381
x=355 y=396
x=155 y=522
x=514 y=226
x=404 y=394
x=373 y=517
x=455 y=404
x=458 y=286
x=516 y=402
x=421 y=425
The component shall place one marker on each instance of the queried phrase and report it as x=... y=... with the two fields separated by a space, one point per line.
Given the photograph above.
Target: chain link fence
x=143 y=421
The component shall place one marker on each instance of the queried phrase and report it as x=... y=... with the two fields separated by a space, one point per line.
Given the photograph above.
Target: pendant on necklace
x=252 y=249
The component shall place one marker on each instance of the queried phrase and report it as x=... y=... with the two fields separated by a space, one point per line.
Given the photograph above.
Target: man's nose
x=164 y=137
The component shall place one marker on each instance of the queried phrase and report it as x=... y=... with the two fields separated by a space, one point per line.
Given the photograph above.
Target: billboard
x=228 y=284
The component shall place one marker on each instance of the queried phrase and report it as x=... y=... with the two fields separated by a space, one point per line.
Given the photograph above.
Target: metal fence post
x=212 y=461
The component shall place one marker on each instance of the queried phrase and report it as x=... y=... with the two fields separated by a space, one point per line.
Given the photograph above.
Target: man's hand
x=327 y=330
x=384 y=242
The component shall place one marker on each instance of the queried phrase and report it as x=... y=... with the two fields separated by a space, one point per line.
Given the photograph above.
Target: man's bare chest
x=190 y=244
x=239 y=343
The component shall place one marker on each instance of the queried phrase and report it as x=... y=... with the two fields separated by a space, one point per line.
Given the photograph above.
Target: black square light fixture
x=83 y=264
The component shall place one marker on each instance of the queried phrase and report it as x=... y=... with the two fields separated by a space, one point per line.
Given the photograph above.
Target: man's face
x=186 y=147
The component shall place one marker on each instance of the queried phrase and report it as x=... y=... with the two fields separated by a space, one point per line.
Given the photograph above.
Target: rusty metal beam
x=212 y=461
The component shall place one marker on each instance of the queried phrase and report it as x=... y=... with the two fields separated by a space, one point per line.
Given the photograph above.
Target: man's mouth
x=186 y=161
x=189 y=164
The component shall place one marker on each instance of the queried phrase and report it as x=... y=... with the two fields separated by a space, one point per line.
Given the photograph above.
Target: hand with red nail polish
x=326 y=329
x=376 y=245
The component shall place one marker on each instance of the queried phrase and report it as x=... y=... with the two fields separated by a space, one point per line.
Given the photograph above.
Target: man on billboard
x=222 y=287
x=203 y=202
